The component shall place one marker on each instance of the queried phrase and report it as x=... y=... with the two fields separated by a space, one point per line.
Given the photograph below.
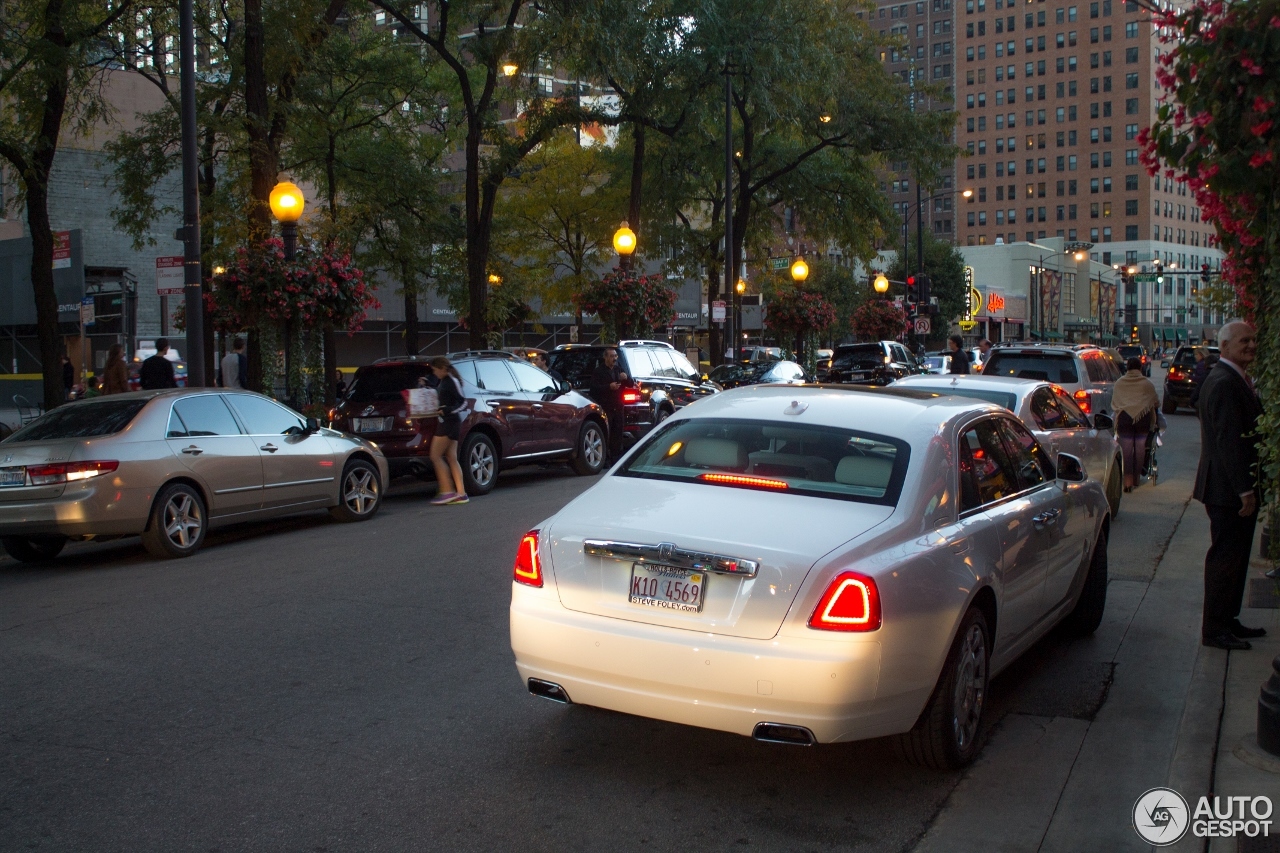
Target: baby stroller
x=1150 y=467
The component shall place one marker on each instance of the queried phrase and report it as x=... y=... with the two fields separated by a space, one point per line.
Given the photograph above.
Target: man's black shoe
x=1228 y=642
x=1238 y=630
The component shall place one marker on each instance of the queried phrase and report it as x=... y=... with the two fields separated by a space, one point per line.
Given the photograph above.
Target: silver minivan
x=1085 y=371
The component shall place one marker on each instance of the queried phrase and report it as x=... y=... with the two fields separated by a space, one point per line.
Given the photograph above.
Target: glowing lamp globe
x=624 y=240
x=799 y=270
x=287 y=202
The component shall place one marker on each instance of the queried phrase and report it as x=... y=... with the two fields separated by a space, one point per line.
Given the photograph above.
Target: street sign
x=170 y=275
x=86 y=311
x=61 y=250
x=780 y=263
x=717 y=311
x=968 y=325
x=1147 y=277
x=922 y=325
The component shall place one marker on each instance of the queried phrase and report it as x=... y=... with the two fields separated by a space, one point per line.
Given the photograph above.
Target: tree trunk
x=45 y=296
x=477 y=254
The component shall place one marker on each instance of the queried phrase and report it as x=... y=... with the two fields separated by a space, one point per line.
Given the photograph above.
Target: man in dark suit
x=157 y=371
x=1227 y=484
x=607 y=382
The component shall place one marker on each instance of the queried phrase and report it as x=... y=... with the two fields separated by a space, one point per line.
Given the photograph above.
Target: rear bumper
x=828 y=685
x=1180 y=392
x=82 y=509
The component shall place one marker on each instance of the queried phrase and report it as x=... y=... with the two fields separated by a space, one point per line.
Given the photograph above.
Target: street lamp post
x=287 y=203
x=190 y=232
x=799 y=272
x=917 y=211
x=624 y=243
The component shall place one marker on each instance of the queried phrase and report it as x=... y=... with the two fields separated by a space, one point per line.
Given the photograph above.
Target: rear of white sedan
x=775 y=562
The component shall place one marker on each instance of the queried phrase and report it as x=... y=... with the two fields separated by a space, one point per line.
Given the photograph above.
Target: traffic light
x=923 y=286
x=913 y=289
x=1204 y=273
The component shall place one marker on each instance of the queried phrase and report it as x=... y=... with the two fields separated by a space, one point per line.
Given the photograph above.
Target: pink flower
x=1252 y=67
x=1262 y=128
x=1262 y=105
x=1260 y=159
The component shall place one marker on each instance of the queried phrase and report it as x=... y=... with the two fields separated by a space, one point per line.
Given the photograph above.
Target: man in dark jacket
x=959 y=358
x=157 y=371
x=607 y=382
x=1227 y=485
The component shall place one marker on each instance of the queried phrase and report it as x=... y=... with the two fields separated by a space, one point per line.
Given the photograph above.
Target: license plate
x=666 y=588
x=13 y=476
x=372 y=424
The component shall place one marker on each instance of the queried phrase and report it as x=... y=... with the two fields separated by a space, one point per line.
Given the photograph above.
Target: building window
x=1131 y=157
x=1131 y=207
x=1131 y=30
x=1093 y=185
x=1131 y=232
x=1131 y=106
x=1130 y=55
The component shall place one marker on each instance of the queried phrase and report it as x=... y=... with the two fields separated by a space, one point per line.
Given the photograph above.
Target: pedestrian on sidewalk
x=157 y=371
x=116 y=373
x=959 y=358
x=607 y=382
x=1227 y=484
x=444 y=445
x=235 y=366
x=1134 y=400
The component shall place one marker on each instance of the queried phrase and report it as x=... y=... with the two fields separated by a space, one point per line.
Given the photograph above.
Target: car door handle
x=537 y=405
x=1045 y=517
x=193 y=450
x=961 y=547
x=270 y=448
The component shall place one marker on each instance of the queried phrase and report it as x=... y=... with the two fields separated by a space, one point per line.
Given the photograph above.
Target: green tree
x=944 y=265
x=50 y=63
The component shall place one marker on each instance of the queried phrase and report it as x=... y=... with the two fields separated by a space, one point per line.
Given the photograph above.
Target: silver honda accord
x=169 y=466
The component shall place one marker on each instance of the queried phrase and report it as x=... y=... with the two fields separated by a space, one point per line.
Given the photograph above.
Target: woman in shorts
x=444 y=446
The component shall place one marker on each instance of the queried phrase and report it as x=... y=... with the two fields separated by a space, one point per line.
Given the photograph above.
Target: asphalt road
x=309 y=686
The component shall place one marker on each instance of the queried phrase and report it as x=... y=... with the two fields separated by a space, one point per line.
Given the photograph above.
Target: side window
x=1032 y=462
x=1097 y=369
x=662 y=364
x=993 y=472
x=1045 y=410
x=467 y=370
x=637 y=363
x=262 y=416
x=494 y=376
x=1074 y=418
x=202 y=415
x=1117 y=366
x=532 y=379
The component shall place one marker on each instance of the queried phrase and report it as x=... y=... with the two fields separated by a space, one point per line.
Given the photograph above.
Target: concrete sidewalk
x=1176 y=714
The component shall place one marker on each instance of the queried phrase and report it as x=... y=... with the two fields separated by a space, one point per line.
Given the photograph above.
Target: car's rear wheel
x=33 y=549
x=1115 y=487
x=591 y=449
x=946 y=735
x=479 y=464
x=1168 y=405
x=359 y=494
x=178 y=523
x=1085 y=618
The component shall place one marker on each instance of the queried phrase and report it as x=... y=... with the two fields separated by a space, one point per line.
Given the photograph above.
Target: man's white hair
x=1230 y=329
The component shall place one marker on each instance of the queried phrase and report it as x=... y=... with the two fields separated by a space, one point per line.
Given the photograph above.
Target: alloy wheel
x=182 y=521
x=481 y=462
x=360 y=491
x=593 y=448
x=970 y=687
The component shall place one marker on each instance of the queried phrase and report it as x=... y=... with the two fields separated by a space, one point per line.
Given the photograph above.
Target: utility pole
x=729 y=265
x=191 y=200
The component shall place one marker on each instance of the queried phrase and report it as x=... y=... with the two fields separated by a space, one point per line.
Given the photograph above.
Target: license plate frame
x=666 y=582
x=13 y=477
x=371 y=425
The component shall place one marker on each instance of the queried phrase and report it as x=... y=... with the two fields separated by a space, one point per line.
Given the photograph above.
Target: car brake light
x=630 y=396
x=1175 y=374
x=528 y=568
x=1082 y=400
x=62 y=472
x=739 y=480
x=851 y=603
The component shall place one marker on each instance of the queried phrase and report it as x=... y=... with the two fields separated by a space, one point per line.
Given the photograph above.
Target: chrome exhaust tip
x=783 y=733
x=549 y=690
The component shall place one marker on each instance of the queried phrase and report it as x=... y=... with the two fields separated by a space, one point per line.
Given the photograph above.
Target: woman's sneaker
x=442 y=499
x=459 y=499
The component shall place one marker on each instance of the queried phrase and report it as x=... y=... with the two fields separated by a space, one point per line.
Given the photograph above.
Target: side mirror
x=1103 y=422
x=1164 y=363
x=1070 y=469
x=313 y=425
x=562 y=386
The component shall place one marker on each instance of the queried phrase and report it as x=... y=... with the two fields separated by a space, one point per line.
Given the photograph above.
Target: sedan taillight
x=631 y=395
x=63 y=472
x=1082 y=400
x=851 y=603
x=528 y=568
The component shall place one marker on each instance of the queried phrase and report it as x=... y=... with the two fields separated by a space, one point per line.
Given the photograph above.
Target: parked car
x=1087 y=372
x=875 y=363
x=665 y=381
x=1179 y=379
x=758 y=373
x=936 y=362
x=916 y=545
x=519 y=415
x=1051 y=415
x=171 y=465
x=1138 y=351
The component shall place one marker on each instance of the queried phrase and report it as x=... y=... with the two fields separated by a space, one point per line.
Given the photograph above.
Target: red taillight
x=739 y=480
x=62 y=472
x=528 y=568
x=851 y=603
x=1082 y=400
x=630 y=396
x=1176 y=375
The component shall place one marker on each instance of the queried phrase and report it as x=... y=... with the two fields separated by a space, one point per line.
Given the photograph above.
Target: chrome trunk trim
x=667 y=554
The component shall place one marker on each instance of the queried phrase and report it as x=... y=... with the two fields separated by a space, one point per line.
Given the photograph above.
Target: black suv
x=875 y=363
x=1138 y=351
x=664 y=379
x=518 y=415
x=1180 y=381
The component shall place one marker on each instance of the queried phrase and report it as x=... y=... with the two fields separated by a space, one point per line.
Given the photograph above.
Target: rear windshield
x=1005 y=399
x=373 y=384
x=789 y=458
x=81 y=420
x=1047 y=367
x=870 y=355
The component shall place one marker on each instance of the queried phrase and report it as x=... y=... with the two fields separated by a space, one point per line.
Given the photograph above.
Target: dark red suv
x=518 y=415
